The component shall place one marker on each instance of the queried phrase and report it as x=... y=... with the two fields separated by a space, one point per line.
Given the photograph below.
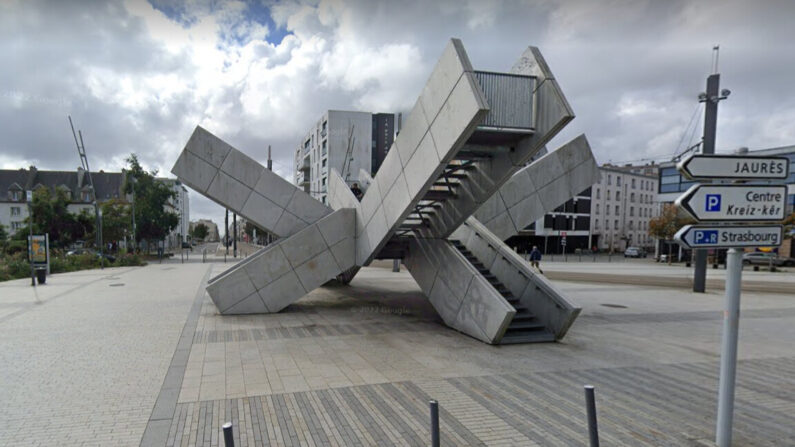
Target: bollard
x=229 y=438
x=590 y=407
x=396 y=265
x=434 y=423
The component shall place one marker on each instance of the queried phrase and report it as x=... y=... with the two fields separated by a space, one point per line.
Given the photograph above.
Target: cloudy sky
x=137 y=76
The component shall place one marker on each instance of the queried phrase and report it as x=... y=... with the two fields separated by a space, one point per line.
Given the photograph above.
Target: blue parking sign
x=713 y=202
x=705 y=237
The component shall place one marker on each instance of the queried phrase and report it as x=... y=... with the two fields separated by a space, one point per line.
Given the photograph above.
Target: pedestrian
x=535 y=259
x=357 y=192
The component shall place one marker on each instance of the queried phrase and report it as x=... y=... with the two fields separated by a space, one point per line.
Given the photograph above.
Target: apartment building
x=349 y=142
x=622 y=204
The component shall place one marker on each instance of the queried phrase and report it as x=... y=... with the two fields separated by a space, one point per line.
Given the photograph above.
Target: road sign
x=699 y=166
x=735 y=236
x=734 y=203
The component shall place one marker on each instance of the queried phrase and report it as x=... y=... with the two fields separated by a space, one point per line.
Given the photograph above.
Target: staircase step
x=525 y=326
x=438 y=195
x=530 y=337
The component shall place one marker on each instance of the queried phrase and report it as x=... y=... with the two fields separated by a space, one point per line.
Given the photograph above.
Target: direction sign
x=732 y=203
x=702 y=236
x=699 y=166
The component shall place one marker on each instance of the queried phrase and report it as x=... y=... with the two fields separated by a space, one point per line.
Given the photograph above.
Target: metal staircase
x=524 y=327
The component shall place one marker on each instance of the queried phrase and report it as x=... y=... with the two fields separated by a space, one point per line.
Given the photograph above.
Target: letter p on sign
x=713 y=202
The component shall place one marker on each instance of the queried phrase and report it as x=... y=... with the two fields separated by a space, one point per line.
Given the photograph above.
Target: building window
x=16 y=225
x=617 y=213
x=607 y=210
x=631 y=211
x=616 y=224
x=608 y=194
x=609 y=179
x=633 y=182
x=632 y=197
x=598 y=193
x=16 y=195
x=323 y=152
x=324 y=162
x=618 y=181
x=618 y=196
x=15 y=211
x=597 y=208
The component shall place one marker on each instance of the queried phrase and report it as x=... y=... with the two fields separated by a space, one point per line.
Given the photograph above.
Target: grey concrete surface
x=357 y=365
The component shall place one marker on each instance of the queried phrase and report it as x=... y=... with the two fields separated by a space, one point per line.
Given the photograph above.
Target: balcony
x=510 y=99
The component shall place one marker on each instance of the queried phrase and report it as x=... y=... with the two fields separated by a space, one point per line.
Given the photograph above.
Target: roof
x=107 y=184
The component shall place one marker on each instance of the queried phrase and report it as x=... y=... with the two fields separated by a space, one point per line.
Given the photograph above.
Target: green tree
x=666 y=225
x=200 y=231
x=116 y=221
x=51 y=216
x=3 y=233
x=152 y=221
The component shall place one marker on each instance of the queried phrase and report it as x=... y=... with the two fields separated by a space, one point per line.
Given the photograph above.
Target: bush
x=17 y=266
x=13 y=247
x=129 y=260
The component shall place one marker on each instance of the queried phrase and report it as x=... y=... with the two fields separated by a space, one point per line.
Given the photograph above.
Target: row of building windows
x=642 y=212
x=644 y=198
x=646 y=185
x=642 y=225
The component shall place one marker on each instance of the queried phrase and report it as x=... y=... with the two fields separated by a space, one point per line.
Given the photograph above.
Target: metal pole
x=30 y=243
x=710 y=127
x=234 y=234
x=101 y=240
x=229 y=438
x=590 y=407
x=226 y=230
x=728 y=356
x=434 y=423
x=133 y=213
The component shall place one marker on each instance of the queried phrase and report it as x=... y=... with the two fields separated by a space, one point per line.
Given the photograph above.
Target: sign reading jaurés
x=701 y=166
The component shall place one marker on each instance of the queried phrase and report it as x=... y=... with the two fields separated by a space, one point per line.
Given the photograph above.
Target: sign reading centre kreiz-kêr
x=700 y=166
x=731 y=203
x=698 y=236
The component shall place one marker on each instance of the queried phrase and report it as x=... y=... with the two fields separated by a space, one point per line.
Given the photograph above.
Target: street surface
x=130 y=356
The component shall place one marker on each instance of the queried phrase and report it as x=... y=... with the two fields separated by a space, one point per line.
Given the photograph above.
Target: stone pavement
x=99 y=364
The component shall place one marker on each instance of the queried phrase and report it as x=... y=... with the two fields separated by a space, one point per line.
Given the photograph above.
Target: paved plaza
x=131 y=356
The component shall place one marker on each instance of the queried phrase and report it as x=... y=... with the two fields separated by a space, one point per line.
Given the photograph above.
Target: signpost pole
x=30 y=238
x=728 y=357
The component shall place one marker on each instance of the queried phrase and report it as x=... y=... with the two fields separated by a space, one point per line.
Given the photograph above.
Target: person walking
x=535 y=259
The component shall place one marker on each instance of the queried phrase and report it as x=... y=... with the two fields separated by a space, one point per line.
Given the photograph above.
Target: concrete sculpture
x=454 y=185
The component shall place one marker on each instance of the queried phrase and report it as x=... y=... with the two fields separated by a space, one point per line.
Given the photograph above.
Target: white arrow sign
x=731 y=203
x=734 y=167
x=697 y=236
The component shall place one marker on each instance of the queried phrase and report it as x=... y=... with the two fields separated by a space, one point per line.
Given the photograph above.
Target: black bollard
x=434 y=423
x=229 y=438
x=590 y=406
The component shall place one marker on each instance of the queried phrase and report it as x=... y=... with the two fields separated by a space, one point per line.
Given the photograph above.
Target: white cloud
x=136 y=80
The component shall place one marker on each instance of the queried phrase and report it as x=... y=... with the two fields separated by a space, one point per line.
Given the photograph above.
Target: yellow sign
x=39 y=249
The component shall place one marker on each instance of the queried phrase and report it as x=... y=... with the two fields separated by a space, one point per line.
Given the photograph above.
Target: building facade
x=566 y=229
x=179 y=205
x=108 y=186
x=15 y=183
x=622 y=204
x=212 y=229
x=346 y=141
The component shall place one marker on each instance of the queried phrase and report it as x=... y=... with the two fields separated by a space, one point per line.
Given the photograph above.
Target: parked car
x=634 y=252
x=762 y=258
x=83 y=251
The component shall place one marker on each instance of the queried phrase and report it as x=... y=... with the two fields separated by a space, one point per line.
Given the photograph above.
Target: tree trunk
x=670 y=256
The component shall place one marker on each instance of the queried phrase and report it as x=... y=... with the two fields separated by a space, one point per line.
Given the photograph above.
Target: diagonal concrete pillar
x=445 y=115
x=231 y=178
x=540 y=187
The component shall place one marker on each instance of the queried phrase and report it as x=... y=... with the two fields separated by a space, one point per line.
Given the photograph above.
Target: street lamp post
x=132 y=180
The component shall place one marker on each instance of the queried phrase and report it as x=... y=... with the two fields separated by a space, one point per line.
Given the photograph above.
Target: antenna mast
x=81 y=151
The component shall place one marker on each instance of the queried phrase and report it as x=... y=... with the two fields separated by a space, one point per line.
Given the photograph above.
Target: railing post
x=229 y=438
x=434 y=423
x=590 y=407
